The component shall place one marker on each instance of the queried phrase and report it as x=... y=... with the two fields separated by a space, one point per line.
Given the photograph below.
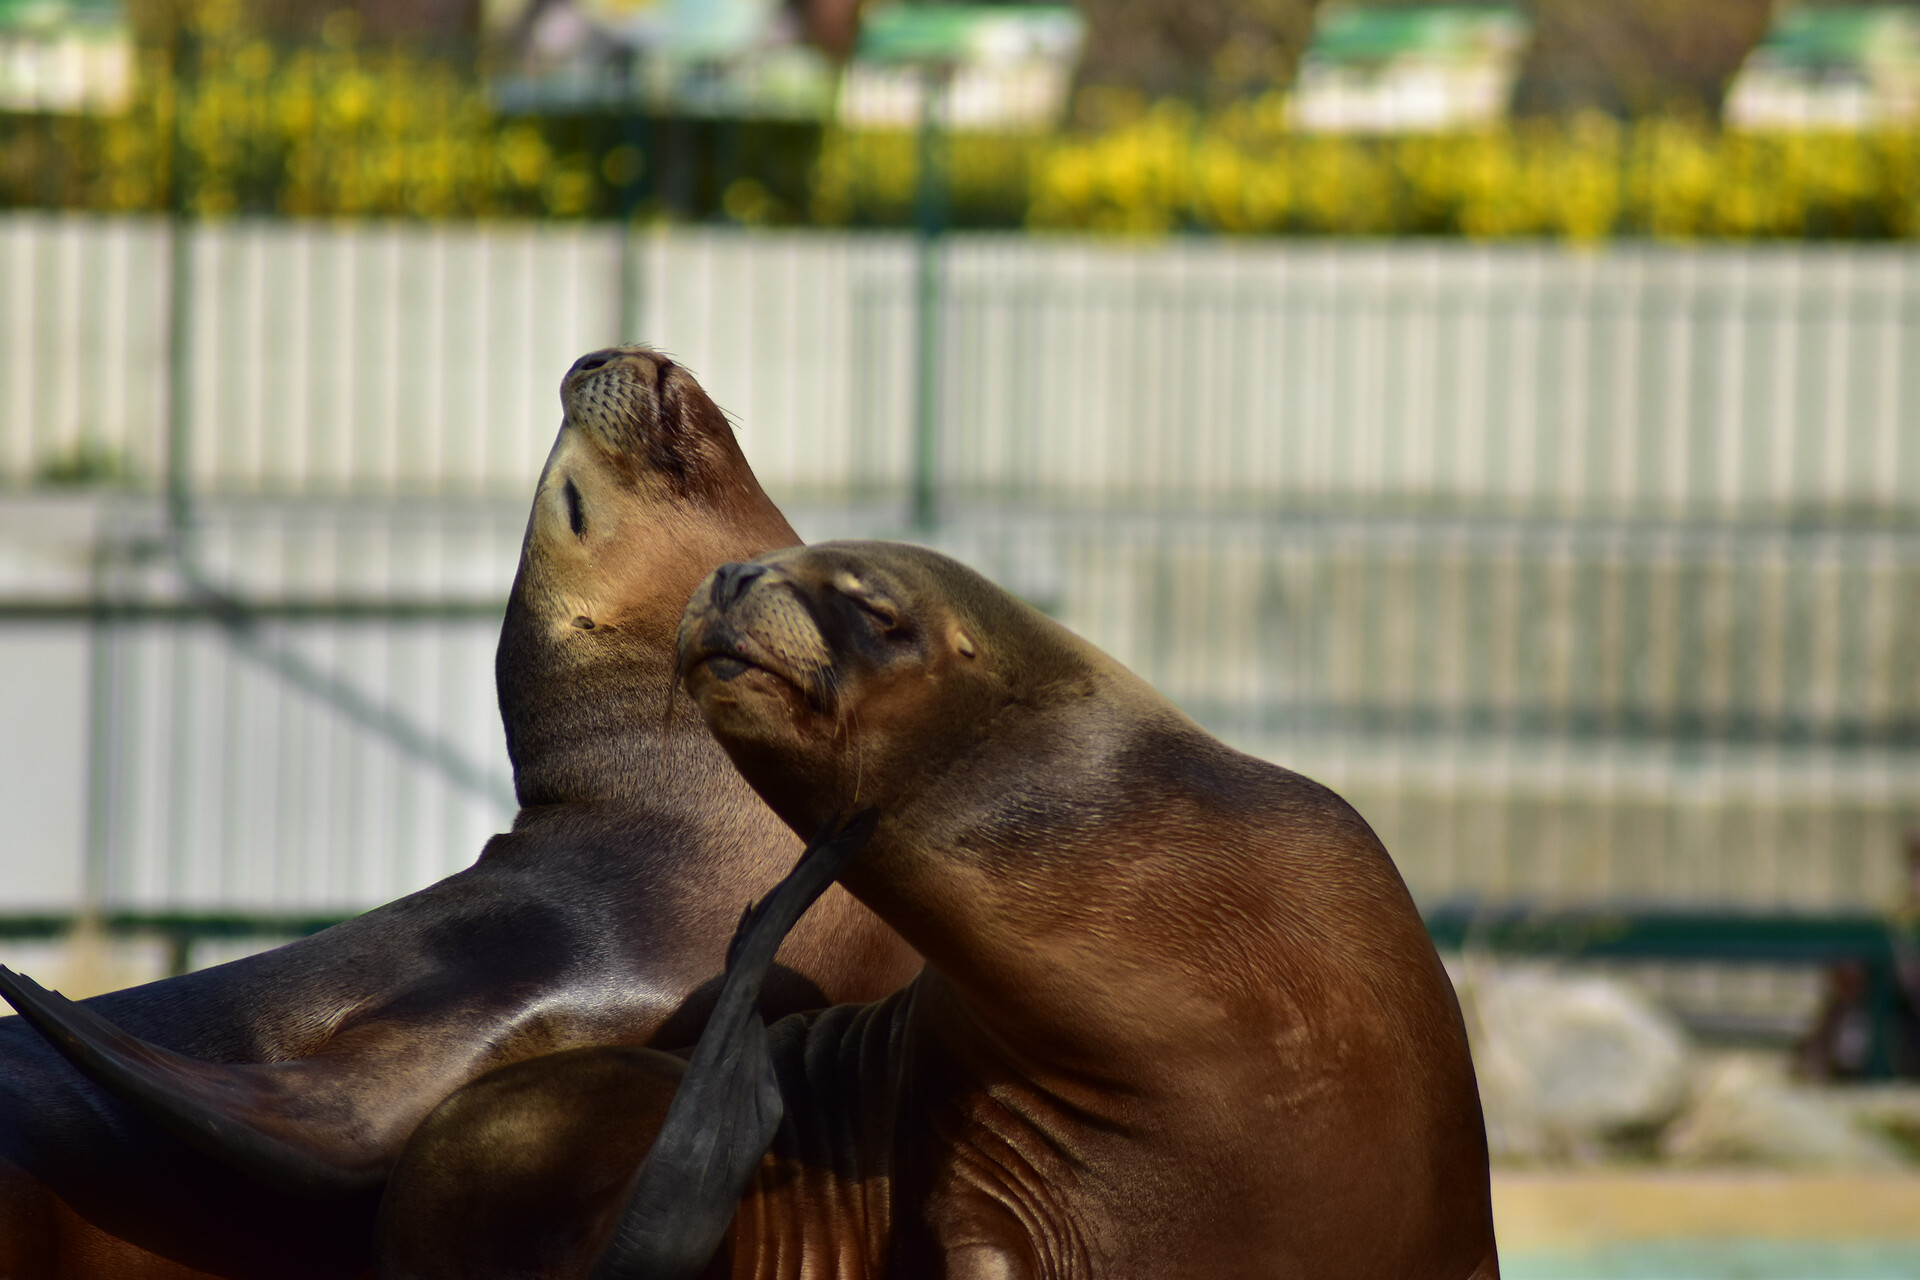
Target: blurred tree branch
x=1195 y=49
x=1635 y=57
x=1624 y=57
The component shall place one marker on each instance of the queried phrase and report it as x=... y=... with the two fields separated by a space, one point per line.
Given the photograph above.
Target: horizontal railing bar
x=1624 y=725
x=29 y=926
x=1755 y=937
x=301 y=610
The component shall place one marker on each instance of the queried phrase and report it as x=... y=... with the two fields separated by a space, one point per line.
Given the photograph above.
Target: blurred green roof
x=1842 y=36
x=1349 y=34
x=52 y=15
x=968 y=32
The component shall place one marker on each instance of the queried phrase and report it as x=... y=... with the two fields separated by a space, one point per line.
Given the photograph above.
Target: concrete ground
x=1571 y=1209
x=1648 y=1224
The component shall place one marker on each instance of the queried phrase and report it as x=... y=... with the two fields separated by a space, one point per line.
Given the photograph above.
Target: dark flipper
x=723 y=1117
x=245 y=1115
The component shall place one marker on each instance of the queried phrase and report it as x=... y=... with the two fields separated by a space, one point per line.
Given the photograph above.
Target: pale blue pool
x=1723 y=1260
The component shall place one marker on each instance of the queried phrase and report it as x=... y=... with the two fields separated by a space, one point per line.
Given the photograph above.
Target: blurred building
x=65 y=56
x=1831 y=68
x=1004 y=67
x=1395 y=70
x=999 y=66
x=738 y=58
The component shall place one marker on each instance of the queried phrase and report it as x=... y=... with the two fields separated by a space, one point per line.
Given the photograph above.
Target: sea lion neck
x=644 y=491
x=601 y=717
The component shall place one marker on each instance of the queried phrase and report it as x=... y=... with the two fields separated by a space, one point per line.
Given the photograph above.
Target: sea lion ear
x=723 y=1116
x=963 y=643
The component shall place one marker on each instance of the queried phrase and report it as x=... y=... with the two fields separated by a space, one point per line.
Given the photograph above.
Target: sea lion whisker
x=676 y=685
x=858 y=742
x=830 y=686
x=846 y=724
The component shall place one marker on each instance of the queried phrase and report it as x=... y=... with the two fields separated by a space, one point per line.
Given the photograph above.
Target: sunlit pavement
x=1719 y=1225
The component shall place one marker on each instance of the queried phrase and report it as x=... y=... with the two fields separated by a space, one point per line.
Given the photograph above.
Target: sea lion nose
x=730 y=582
x=593 y=360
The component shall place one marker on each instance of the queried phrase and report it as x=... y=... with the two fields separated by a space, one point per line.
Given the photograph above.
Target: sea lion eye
x=889 y=620
x=576 y=512
x=876 y=607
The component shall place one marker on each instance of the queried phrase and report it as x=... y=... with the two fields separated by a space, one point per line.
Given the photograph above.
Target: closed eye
x=875 y=606
x=884 y=615
x=576 y=511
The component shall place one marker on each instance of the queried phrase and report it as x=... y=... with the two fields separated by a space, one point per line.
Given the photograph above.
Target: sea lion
x=595 y=920
x=1179 y=1015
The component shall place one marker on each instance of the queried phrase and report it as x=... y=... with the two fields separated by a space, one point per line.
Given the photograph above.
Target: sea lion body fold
x=599 y=919
x=1179 y=1016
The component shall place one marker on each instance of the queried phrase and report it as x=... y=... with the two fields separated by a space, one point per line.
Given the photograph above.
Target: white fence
x=408 y=359
x=1587 y=576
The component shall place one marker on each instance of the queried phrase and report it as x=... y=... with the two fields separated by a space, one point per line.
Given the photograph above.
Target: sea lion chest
x=1235 y=1115
x=894 y=1159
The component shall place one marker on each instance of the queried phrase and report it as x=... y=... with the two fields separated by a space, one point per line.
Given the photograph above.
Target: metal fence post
x=930 y=216
x=179 y=461
x=102 y=637
x=630 y=303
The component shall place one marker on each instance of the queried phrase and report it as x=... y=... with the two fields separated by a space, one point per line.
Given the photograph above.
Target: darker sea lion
x=593 y=921
x=1179 y=1016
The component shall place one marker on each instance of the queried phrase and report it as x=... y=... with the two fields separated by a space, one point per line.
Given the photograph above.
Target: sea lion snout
x=802 y=660
x=592 y=360
x=749 y=614
x=730 y=582
x=635 y=401
x=655 y=365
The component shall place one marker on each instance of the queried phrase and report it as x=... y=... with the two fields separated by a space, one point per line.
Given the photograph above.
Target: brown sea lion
x=595 y=920
x=1179 y=1016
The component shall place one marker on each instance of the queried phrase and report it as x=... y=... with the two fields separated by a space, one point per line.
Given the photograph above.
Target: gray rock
x=1744 y=1110
x=1569 y=1065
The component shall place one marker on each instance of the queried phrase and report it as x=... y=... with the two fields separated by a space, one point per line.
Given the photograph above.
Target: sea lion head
x=854 y=674
x=644 y=491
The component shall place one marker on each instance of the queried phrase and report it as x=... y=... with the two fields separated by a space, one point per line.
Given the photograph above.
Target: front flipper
x=724 y=1115
x=258 y=1118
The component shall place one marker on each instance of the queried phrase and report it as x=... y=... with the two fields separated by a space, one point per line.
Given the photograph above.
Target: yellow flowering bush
x=1241 y=170
x=335 y=128
x=225 y=122
x=872 y=177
